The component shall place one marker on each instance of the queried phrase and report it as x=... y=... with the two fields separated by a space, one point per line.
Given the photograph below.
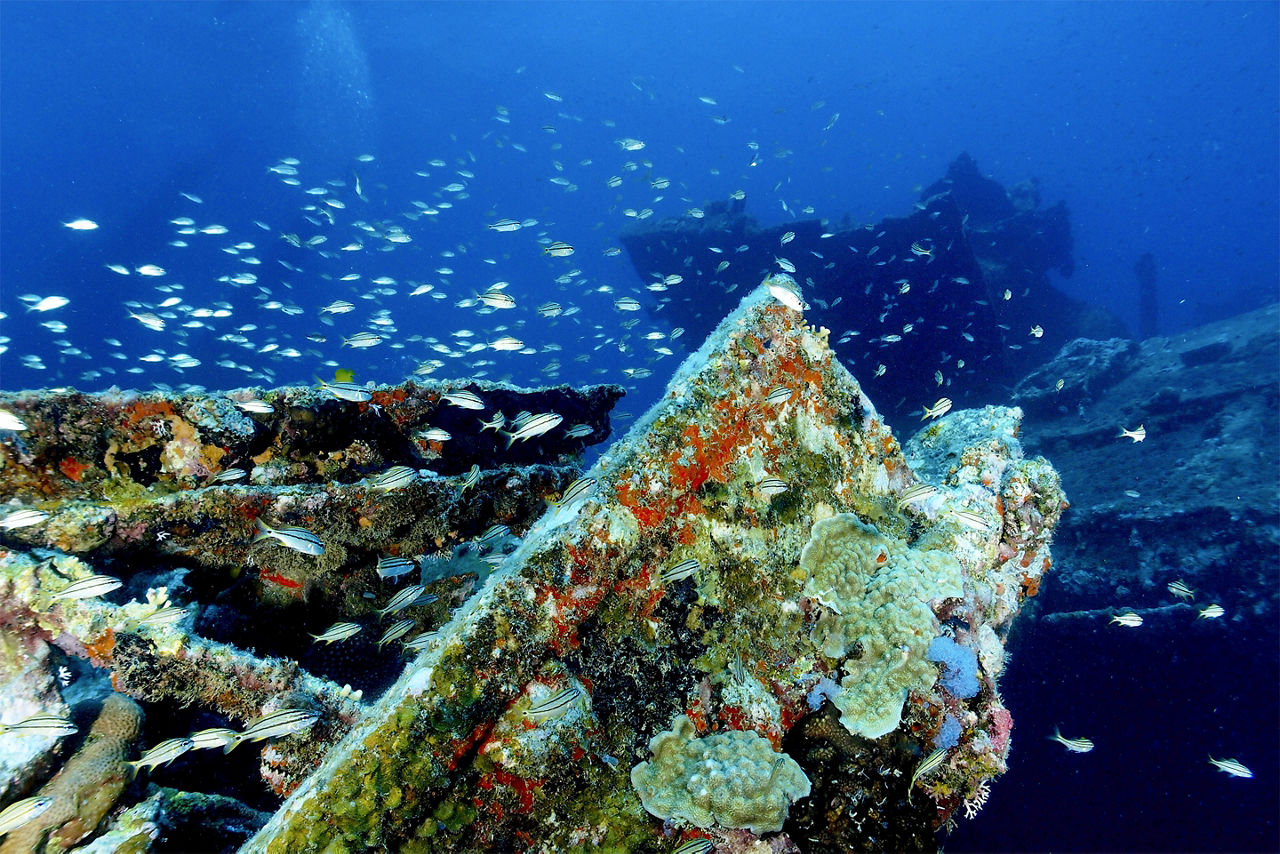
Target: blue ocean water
x=1157 y=123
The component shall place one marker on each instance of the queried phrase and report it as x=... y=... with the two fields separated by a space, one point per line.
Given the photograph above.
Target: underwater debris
x=353 y=522
x=505 y=731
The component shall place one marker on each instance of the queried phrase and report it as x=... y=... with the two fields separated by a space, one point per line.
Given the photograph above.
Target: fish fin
x=261 y=532
x=511 y=438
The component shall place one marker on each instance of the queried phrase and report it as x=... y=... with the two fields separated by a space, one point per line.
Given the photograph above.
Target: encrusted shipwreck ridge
x=741 y=557
x=212 y=626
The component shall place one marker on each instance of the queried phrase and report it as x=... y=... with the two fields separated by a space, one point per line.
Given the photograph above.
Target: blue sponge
x=960 y=666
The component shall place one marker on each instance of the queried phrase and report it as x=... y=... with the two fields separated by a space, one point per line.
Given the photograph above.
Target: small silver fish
x=363 y=339
x=576 y=491
x=1232 y=767
x=298 y=539
x=495 y=423
x=535 y=426
x=1211 y=612
x=681 y=570
x=23 y=519
x=554 y=706
x=578 y=431
x=162 y=754
x=1129 y=619
x=163 y=617
x=971 y=520
x=350 y=392
x=942 y=407
x=1139 y=434
x=772 y=486
x=396 y=477
x=394 y=567
x=397 y=630
x=402 y=600
x=1180 y=590
x=9 y=421
x=206 y=739
x=337 y=632
x=464 y=399
x=930 y=763
x=422 y=640
x=780 y=394
x=87 y=588
x=22 y=812
x=278 y=724
x=492 y=534
x=919 y=492
x=1075 y=745
x=42 y=724
x=230 y=475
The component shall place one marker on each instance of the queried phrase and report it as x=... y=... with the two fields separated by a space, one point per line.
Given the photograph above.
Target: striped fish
x=21 y=812
x=164 y=617
x=535 y=426
x=496 y=423
x=403 y=599
x=694 y=846
x=1075 y=745
x=337 y=632
x=940 y=408
x=464 y=399
x=87 y=588
x=280 y=723
x=930 y=763
x=781 y=394
x=471 y=479
x=397 y=630
x=492 y=534
x=350 y=392
x=422 y=640
x=772 y=486
x=1180 y=589
x=162 y=754
x=971 y=520
x=298 y=539
x=554 y=706
x=577 y=491
x=1129 y=619
x=214 y=737
x=681 y=570
x=42 y=724
x=396 y=477
x=919 y=492
x=1211 y=612
x=394 y=567
x=23 y=519
x=1232 y=767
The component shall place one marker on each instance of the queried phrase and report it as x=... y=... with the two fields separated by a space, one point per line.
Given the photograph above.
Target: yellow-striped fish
x=930 y=763
x=1075 y=745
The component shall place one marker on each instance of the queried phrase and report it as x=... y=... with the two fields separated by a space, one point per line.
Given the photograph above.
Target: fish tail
x=262 y=531
x=230 y=745
x=511 y=438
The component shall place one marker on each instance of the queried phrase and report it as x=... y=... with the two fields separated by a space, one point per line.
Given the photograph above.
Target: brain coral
x=877 y=589
x=731 y=779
